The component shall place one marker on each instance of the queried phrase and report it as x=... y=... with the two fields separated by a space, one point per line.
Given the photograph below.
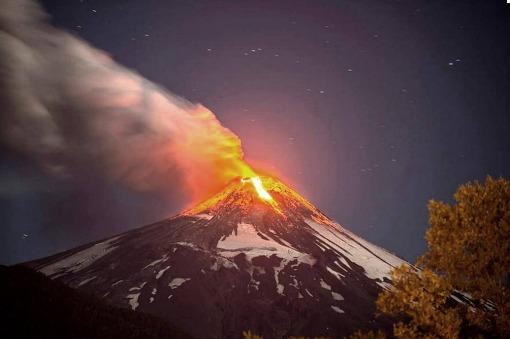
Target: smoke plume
x=77 y=112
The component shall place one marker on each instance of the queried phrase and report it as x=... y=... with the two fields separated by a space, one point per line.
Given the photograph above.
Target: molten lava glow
x=261 y=191
x=243 y=194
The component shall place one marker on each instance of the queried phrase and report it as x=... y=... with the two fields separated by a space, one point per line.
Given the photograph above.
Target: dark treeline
x=35 y=306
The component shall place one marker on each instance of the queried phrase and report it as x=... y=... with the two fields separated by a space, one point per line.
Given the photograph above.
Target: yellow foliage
x=249 y=335
x=469 y=244
x=469 y=251
x=420 y=297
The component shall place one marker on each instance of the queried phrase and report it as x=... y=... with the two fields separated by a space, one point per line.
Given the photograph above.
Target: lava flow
x=259 y=188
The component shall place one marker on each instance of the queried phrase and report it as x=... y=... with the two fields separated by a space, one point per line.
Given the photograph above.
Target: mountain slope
x=37 y=307
x=256 y=256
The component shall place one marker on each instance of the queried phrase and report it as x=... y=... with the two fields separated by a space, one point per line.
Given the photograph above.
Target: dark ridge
x=38 y=307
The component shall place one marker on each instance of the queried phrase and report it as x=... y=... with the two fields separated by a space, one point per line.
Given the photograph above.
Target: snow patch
x=376 y=262
x=157 y=261
x=323 y=248
x=222 y=262
x=78 y=261
x=116 y=283
x=133 y=300
x=337 y=296
x=343 y=261
x=248 y=241
x=86 y=281
x=176 y=282
x=338 y=275
x=161 y=272
x=253 y=283
x=294 y=282
x=325 y=286
x=137 y=288
x=186 y=244
x=337 y=309
x=279 y=287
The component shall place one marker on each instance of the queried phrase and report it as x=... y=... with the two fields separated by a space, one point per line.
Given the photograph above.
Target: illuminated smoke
x=75 y=110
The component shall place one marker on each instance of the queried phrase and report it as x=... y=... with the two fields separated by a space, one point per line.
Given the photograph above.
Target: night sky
x=368 y=108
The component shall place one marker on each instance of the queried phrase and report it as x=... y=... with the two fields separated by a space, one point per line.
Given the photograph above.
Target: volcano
x=257 y=256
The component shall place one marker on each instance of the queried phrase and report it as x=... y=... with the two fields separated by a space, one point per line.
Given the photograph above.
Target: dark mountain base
x=37 y=307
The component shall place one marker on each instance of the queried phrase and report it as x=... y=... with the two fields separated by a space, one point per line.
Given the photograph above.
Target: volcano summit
x=255 y=256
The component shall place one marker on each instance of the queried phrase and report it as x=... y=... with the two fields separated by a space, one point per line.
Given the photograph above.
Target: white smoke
x=75 y=110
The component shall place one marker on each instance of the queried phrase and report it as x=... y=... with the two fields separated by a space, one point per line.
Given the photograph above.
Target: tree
x=249 y=335
x=420 y=299
x=469 y=245
x=468 y=253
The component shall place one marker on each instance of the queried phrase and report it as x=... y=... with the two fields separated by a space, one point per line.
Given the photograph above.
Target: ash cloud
x=76 y=111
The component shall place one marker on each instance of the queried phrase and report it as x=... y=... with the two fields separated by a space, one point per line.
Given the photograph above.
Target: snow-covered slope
x=237 y=262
